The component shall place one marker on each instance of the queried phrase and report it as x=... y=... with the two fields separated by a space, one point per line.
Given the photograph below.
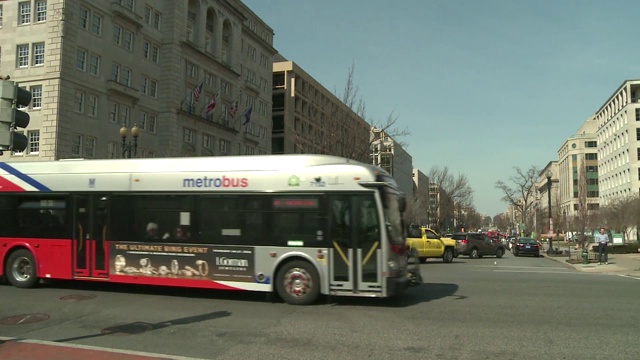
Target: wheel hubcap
x=297 y=282
x=21 y=269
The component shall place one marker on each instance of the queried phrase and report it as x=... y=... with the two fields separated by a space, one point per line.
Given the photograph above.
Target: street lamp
x=127 y=148
x=549 y=173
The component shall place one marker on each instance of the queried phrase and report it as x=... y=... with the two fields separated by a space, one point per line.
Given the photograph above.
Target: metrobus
x=296 y=225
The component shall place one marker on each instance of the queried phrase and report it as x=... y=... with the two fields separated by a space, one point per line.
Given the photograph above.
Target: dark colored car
x=526 y=246
x=477 y=245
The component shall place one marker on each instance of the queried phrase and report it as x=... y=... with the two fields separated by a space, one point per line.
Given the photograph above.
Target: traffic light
x=11 y=118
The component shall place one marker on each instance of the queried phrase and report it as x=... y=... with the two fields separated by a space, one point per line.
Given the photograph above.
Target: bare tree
x=621 y=214
x=352 y=98
x=521 y=195
x=455 y=191
x=502 y=221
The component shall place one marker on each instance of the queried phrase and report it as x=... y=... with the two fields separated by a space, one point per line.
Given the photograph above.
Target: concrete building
x=618 y=137
x=309 y=119
x=94 y=66
x=420 y=203
x=433 y=213
x=578 y=151
x=389 y=155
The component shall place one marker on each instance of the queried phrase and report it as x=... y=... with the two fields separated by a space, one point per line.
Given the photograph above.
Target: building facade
x=94 y=67
x=618 y=137
x=420 y=203
x=391 y=156
x=433 y=212
x=309 y=119
x=578 y=170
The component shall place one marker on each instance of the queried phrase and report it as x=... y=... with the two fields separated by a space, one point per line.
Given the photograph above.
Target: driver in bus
x=152 y=232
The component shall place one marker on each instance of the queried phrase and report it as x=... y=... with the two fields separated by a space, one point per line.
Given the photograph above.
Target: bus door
x=90 y=236
x=356 y=255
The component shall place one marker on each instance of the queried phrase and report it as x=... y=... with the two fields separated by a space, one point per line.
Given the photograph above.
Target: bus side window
x=340 y=215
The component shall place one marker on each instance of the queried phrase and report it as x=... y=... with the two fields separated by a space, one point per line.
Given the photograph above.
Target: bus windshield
x=392 y=215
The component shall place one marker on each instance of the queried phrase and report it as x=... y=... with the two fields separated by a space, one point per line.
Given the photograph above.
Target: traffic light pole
x=12 y=97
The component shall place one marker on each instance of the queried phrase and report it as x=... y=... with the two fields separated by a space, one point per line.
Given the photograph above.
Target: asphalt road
x=509 y=308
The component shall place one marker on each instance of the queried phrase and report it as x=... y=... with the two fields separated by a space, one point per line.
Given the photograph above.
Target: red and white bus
x=299 y=225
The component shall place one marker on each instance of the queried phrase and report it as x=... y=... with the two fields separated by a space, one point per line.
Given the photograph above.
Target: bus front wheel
x=21 y=269
x=298 y=283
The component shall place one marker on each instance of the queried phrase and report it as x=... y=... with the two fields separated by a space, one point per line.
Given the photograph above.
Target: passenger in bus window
x=183 y=232
x=152 y=232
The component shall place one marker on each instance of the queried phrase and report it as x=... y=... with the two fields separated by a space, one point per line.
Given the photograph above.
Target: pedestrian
x=603 y=242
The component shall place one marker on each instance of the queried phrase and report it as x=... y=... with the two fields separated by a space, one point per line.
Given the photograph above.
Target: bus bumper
x=397 y=285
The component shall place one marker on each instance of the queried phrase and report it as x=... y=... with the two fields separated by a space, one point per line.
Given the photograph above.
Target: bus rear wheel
x=21 y=269
x=297 y=283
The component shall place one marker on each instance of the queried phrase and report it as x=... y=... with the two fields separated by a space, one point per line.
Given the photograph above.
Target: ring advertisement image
x=220 y=263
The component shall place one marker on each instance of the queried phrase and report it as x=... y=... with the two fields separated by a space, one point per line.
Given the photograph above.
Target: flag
x=197 y=91
x=233 y=108
x=212 y=104
x=247 y=115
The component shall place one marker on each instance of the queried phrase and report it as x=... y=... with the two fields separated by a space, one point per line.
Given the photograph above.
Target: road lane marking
x=520 y=267
x=629 y=276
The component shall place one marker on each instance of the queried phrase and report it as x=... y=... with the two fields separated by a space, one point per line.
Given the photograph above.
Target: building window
x=207 y=141
x=224 y=147
x=92 y=106
x=156 y=19
x=147 y=15
x=112 y=150
x=226 y=87
x=127 y=4
x=249 y=150
x=36 y=97
x=152 y=124
x=113 y=112
x=23 y=56
x=155 y=54
x=34 y=141
x=90 y=147
x=153 y=88
x=84 y=18
x=142 y=124
x=146 y=45
x=81 y=59
x=115 y=72
x=188 y=135
x=76 y=144
x=78 y=104
x=38 y=54
x=25 y=13
x=117 y=35
x=126 y=76
x=128 y=40
x=94 y=64
x=96 y=24
x=125 y=115
x=190 y=69
x=41 y=11
x=144 y=85
x=0 y=16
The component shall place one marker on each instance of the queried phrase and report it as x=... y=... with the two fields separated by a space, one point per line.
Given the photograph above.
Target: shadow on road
x=412 y=296
x=138 y=327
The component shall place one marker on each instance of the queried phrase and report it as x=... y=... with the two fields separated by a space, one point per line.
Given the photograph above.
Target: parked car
x=477 y=245
x=527 y=246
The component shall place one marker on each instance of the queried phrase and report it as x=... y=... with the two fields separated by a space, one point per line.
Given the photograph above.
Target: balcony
x=123 y=90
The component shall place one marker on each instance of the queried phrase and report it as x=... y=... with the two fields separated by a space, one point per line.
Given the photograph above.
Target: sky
x=483 y=86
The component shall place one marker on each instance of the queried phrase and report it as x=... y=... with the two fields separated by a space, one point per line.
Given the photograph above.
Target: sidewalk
x=21 y=349
x=619 y=264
